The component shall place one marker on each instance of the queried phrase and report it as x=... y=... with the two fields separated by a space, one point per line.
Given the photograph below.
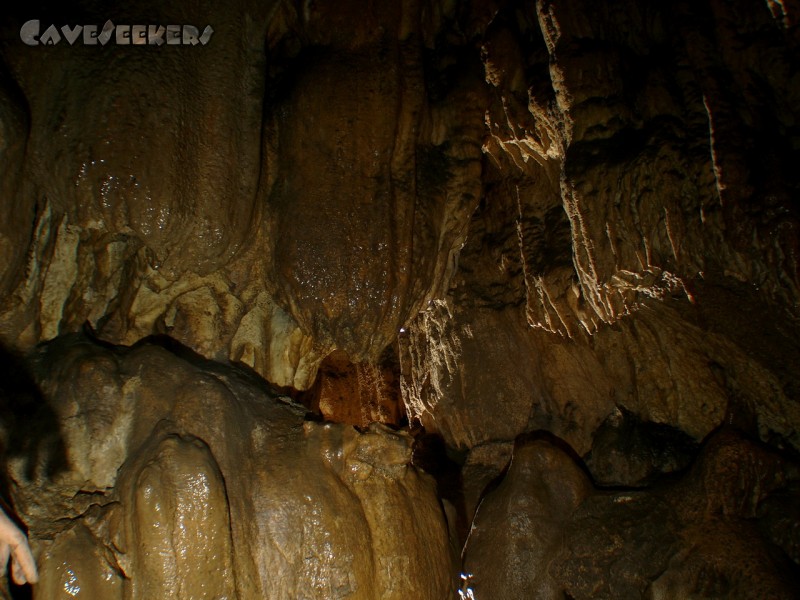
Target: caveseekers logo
x=137 y=35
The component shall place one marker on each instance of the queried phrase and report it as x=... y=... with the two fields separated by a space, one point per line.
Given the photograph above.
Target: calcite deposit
x=351 y=289
x=180 y=478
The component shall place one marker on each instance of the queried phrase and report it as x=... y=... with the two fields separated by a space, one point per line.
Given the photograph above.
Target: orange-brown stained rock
x=230 y=196
x=305 y=181
x=356 y=394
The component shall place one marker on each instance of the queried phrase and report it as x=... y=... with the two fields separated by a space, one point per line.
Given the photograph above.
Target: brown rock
x=558 y=213
x=545 y=532
x=195 y=482
x=357 y=394
x=517 y=529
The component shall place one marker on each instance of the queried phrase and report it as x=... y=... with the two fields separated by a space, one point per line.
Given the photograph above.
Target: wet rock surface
x=551 y=246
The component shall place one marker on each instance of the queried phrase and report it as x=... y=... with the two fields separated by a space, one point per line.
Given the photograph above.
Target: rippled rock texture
x=291 y=188
x=471 y=221
x=637 y=205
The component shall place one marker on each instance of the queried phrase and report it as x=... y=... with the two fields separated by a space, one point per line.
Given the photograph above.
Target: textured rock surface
x=546 y=533
x=358 y=394
x=484 y=220
x=372 y=195
x=270 y=209
x=611 y=259
x=629 y=452
x=186 y=479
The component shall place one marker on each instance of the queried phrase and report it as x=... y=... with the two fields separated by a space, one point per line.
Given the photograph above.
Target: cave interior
x=391 y=299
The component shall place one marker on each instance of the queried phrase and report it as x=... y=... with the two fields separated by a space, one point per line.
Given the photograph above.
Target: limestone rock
x=375 y=177
x=483 y=467
x=81 y=568
x=518 y=526
x=184 y=478
x=607 y=247
x=265 y=209
x=555 y=213
x=627 y=451
x=545 y=532
x=358 y=394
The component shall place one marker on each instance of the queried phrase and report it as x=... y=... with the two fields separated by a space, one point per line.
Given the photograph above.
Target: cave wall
x=185 y=478
x=476 y=221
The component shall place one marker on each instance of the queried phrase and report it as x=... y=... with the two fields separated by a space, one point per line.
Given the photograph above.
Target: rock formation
x=184 y=478
x=313 y=306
